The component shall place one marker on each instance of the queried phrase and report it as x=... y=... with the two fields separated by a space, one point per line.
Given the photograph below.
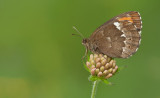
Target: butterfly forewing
x=119 y=37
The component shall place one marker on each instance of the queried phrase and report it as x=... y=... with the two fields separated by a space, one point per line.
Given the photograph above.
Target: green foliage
x=95 y=78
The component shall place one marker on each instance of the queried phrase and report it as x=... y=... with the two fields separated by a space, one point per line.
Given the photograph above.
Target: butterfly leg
x=85 y=55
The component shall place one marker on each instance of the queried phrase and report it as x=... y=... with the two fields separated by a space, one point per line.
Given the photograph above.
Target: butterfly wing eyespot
x=124 y=32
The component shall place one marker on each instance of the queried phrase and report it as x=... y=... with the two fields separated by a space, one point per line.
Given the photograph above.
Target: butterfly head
x=85 y=42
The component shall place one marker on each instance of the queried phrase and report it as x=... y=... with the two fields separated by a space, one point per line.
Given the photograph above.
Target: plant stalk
x=95 y=83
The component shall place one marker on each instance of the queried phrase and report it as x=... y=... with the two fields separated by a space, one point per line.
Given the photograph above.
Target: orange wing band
x=126 y=18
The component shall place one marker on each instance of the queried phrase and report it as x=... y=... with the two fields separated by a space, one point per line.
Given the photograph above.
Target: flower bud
x=91 y=57
x=104 y=62
x=98 y=60
x=105 y=72
x=114 y=64
x=88 y=64
x=95 y=56
x=93 y=66
x=102 y=68
x=99 y=74
x=105 y=56
x=102 y=58
x=110 y=70
x=115 y=69
x=100 y=55
x=111 y=62
x=98 y=65
x=107 y=66
x=108 y=59
x=92 y=62
x=108 y=76
x=97 y=71
x=93 y=71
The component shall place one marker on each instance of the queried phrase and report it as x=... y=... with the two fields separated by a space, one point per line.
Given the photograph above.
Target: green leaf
x=121 y=68
x=107 y=82
x=93 y=78
x=85 y=66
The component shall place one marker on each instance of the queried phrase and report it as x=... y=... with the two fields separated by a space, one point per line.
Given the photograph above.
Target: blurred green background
x=39 y=58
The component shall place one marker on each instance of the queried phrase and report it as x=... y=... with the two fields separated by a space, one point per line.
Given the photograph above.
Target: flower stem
x=94 y=89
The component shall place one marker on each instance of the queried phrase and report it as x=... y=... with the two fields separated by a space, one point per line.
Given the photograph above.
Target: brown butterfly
x=117 y=38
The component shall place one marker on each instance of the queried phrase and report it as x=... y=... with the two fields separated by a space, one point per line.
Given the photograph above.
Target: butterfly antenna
x=77 y=35
x=78 y=32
